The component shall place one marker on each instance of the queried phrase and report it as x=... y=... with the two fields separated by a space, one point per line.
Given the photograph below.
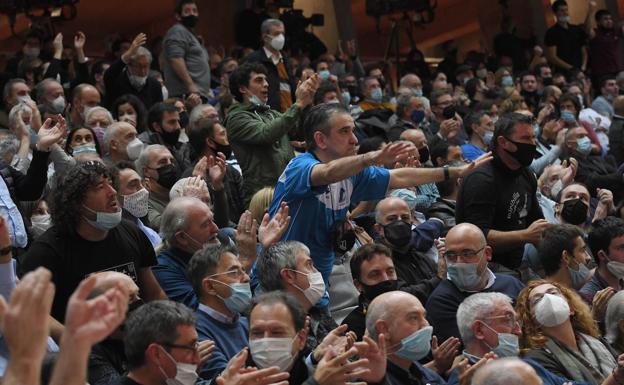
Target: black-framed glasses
x=452 y=256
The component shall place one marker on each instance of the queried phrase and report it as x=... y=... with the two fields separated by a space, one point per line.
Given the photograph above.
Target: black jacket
x=117 y=84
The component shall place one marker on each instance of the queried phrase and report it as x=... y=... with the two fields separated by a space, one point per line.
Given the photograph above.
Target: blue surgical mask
x=324 y=74
x=240 y=297
x=417 y=91
x=507 y=344
x=584 y=145
x=507 y=81
x=464 y=275
x=487 y=137
x=418 y=116
x=417 y=345
x=104 y=221
x=568 y=116
x=34 y=138
x=84 y=148
x=536 y=129
x=346 y=98
x=376 y=95
x=579 y=277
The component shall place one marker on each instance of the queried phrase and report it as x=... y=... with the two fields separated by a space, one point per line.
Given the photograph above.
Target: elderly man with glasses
x=467 y=255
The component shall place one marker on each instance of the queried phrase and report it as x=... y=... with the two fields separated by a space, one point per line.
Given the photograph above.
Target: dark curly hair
x=240 y=77
x=70 y=192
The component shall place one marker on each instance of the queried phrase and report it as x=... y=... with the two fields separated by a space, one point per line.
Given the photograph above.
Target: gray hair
x=204 y=263
x=403 y=102
x=9 y=144
x=615 y=313
x=476 y=307
x=503 y=371
x=174 y=218
x=197 y=114
x=281 y=255
x=8 y=87
x=155 y=322
x=41 y=87
x=268 y=23
x=144 y=157
x=111 y=132
x=96 y=109
x=13 y=113
x=141 y=51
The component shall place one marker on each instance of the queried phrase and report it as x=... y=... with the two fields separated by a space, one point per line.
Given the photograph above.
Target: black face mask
x=189 y=21
x=226 y=149
x=373 y=291
x=170 y=138
x=524 y=154
x=343 y=238
x=449 y=112
x=184 y=119
x=574 y=211
x=398 y=233
x=168 y=175
x=424 y=155
x=547 y=81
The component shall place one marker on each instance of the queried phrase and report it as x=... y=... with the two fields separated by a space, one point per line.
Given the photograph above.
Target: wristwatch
x=447 y=173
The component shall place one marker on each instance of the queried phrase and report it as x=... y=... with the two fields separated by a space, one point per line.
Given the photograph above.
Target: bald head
x=388 y=307
x=415 y=136
x=618 y=105
x=506 y=371
x=466 y=231
x=390 y=209
x=411 y=81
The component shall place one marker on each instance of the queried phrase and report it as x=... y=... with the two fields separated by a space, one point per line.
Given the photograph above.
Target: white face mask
x=552 y=310
x=267 y=352
x=165 y=92
x=136 y=203
x=616 y=268
x=134 y=148
x=40 y=223
x=58 y=104
x=556 y=189
x=24 y=99
x=186 y=374
x=315 y=291
x=277 y=43
x=137 y=81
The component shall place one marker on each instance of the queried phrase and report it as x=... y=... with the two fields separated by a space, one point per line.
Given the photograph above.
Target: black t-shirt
x=494 y=197
x=72 y=258
x=568 y=42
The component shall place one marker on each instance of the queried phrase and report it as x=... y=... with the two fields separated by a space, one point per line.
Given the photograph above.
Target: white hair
x=144 y=157
x=13 y=113
x=615 y=313
x=141 y=51
x=96 y=109
x=475 y=307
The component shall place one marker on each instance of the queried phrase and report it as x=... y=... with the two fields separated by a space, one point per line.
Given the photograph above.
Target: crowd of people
x=181 y=215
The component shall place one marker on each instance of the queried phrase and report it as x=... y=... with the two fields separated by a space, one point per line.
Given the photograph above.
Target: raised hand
x=336 y=339
x=216 y=170
x=201 y=167
x=138 y=41
x=306 y=90
x=89 y=321
x=57 y=43
x=392 y=153
x=337 y=369
x=445 y=353
x=205 y=349
x=462 y=171
x=49 y=135
x=247 y=239
x=375 y=353
x=79 y=40
x=236 y=374
x=271 y=231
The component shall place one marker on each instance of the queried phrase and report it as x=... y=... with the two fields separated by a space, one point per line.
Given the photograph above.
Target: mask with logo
x=464 y=275
x=168 y=175
x=104 y=221
x=507 y=344
x=417 y=345
x=552 y=310
x=186 y=374
x=277 y=42
x=324 y=74
x=524 y=154
x=40 y=224
x=373 y=291
x=579 y=277
x=268 y=352
x=316 y=287
x=398 y=233
x=134 y=148
x=574 y=211
x=376 y=95
x=136 y=203
x=137 y=82
x=342 y=237
x=189 y=21
x=584 y=145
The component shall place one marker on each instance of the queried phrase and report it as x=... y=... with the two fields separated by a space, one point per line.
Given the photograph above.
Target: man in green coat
x=259 y=135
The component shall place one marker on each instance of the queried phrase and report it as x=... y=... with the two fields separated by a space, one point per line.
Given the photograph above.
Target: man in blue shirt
x=320 y=185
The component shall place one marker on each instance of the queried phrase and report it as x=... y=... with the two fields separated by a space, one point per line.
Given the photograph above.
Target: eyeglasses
x=509 y=320
x=194 y=348
x=452 y=256
x=234 y=273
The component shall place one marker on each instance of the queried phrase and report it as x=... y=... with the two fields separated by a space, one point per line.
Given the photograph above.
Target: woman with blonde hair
x=558 y=332
x=260 y=202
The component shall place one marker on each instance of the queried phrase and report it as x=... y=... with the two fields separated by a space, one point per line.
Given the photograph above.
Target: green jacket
x=259 y=138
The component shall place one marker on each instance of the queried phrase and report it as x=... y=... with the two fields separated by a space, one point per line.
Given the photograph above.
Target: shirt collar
x=274 y=58
x=491 y=278
x=216 y=314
